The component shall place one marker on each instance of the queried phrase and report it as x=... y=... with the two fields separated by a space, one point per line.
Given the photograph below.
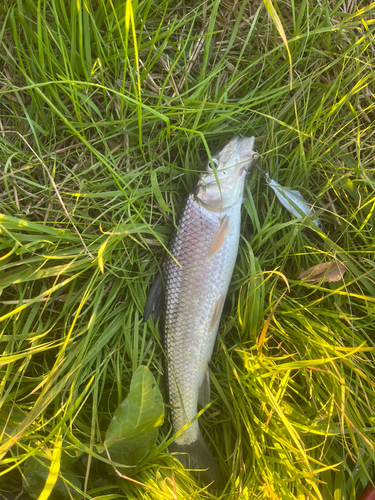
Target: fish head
x=220 y=189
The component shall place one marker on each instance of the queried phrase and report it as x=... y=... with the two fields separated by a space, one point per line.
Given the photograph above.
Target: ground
x=108 y=112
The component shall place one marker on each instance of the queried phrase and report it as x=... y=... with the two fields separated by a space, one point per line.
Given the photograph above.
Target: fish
x=190 y=291
x=291 y=199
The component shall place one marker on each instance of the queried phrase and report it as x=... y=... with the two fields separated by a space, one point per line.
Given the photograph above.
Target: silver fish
x=191 y=292
x=291 y=199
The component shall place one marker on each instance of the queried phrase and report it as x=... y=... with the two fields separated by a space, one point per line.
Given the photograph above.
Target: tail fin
x=196 y=455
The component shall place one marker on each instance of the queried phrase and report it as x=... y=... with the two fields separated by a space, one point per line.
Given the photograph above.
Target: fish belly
x=196 y=283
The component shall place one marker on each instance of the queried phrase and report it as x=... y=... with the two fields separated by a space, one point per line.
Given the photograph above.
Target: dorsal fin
x=154 y=302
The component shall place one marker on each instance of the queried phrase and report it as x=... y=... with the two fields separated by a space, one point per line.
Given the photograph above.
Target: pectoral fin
x=221 y=237
x=204 y=394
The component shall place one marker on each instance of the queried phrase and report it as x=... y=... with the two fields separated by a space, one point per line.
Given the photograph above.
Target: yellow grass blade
x=276 y=20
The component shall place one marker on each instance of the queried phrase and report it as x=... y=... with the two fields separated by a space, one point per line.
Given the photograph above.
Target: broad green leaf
x=37 y=472
x=134 y=427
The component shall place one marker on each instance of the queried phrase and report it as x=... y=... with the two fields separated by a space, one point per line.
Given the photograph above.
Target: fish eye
x=215 y=161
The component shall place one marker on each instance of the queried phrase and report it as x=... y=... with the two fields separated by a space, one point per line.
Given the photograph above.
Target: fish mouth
x=245 y=153
x=245 y=147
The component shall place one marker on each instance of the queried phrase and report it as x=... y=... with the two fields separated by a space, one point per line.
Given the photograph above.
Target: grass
x=107 y=110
